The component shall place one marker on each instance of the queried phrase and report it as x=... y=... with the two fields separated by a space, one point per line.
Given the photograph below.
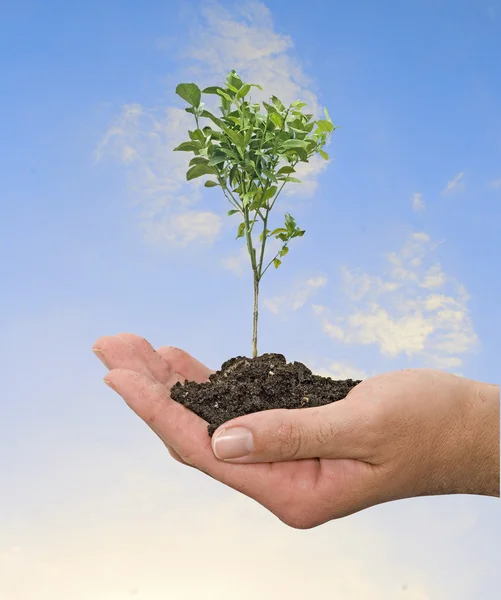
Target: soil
x=246 y=385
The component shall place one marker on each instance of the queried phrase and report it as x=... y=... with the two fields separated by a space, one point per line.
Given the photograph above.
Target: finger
x=130 y=351
x=186 y=365
x=336 y=430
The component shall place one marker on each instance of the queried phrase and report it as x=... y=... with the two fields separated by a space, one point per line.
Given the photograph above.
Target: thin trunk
x=256 y=315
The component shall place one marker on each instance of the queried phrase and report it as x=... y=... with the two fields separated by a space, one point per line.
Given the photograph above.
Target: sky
x=100 y=233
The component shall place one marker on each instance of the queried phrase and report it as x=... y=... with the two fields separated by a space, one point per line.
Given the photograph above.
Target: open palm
x=302 y=493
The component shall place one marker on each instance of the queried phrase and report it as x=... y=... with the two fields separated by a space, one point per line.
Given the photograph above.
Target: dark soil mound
x=246 y=385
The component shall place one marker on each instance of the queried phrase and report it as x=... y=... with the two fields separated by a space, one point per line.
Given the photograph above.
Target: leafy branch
x=251 y=155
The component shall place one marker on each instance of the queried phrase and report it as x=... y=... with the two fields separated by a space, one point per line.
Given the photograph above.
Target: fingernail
x=233 y=443
x=99 y=354
x=109 y=384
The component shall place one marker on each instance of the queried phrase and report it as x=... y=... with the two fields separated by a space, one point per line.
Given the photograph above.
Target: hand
x=397 y=435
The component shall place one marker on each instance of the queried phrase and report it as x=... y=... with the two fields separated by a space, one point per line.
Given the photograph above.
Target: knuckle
x=289 y=440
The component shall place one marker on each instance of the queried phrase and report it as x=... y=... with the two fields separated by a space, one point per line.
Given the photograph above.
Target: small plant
x=251 y=156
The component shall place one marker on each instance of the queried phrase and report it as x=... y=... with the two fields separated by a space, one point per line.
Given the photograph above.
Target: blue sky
x=99 y=234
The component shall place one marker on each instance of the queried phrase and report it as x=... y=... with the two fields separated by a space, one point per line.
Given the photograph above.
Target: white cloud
x=184 y=228
x=143 y=140
x=260 y=55
x=341 y=370
x=298 y=297
x=415 y=309
x=496 y=184
x=237 y=263
x=417 y=202
x=456 y=184
x=308 y=174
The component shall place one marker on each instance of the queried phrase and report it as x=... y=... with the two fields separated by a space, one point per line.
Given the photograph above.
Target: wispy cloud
x=238 y=262
x=298 y=296
x=456 y=184
x=184 y=228
x=418 y=203
x=341 y=370
x=142 y=138
x=496 y=184
x=492 y=11
x=414 y=309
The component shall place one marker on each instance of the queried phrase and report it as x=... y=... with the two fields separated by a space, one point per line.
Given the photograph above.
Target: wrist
x=481 y=453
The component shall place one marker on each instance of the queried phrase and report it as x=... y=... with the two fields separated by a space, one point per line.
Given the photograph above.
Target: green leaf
x=189 y=92
x=290 y=179
x=276 y=119
x=248 y=136
x=211 y=134
x=225 y=96
x=235 y=137
x=233 y=211
x=198 y=160
x=284 y=251
x=323 y=154
x=286 y=170
x=300 y=152
x=228 y=152
x=269 y=108
x=209 y=183
x=233 y=175
x=213 y=118
x=278 y=230
x=234 y=80
x=270 y=192
x=290 y=223
x=297 y=126
x=270 y=175
x=276 y=263
x=213 y=89
x=298 y=104
x=327 y=115
x=187 y=147
x=243 y=91
x=198 y=170
x=241 y=230
x=247 y=198
x=197 y=135
x=291 y=144
x=217 y=159
x=325 y=126
x=278 y=104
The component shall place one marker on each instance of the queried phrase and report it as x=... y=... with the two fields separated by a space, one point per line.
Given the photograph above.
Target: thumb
x=336 y=430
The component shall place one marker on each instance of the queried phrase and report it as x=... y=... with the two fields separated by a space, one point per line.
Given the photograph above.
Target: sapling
x=251 y=154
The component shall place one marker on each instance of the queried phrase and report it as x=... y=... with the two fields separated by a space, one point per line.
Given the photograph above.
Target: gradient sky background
x=100 y=234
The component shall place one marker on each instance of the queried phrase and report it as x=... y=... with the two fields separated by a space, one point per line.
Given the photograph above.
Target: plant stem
x=252 y=253
x=255 y=315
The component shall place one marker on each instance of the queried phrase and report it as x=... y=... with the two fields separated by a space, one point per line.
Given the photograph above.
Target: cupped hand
x=397 y=435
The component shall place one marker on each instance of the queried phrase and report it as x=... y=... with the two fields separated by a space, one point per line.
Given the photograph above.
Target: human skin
x=402 y=434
